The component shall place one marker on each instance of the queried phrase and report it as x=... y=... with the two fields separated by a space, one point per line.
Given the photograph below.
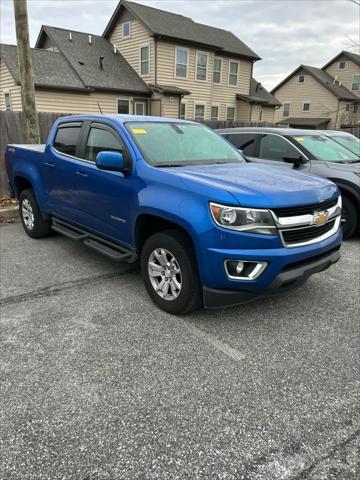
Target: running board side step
x=116 y=252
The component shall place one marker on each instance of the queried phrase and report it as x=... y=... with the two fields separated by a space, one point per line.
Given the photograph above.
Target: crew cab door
x=103 y=197
x=59 y=167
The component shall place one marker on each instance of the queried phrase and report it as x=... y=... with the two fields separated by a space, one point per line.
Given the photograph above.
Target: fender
x=348 y=187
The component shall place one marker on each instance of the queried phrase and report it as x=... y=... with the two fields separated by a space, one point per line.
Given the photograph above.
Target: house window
x=356 y=83
x=7 y=98
x=301 y=79
x=126 y=31
x=230 y=113
x=140 y=108
x=123 y=107
x=233 y=73
x=201 y=66
x=182 y=110
x=342 y=65
x=181 y=61
x=306 y=107
x=347 y=107
x=145 y=60
x=217 y=70
x=214 y=112
x=286 y=111
x=199 y=112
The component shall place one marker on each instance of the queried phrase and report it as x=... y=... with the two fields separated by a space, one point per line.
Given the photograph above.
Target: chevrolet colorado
x=209 y=228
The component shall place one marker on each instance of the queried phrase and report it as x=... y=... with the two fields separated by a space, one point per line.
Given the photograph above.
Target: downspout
x=155 y=59
x=337 y=114
x=180 y=98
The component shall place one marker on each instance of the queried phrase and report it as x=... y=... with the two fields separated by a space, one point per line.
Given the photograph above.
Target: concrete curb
x=9 y=212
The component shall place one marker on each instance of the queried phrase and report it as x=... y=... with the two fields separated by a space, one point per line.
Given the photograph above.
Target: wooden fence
x=12 y=130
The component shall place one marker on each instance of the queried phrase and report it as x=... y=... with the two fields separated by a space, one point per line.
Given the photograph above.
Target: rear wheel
x=34 y=225
x=349 y=217
x=169 y=271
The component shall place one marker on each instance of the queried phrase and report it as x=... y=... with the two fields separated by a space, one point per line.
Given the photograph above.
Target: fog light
x=240 y=267
x=244 y=270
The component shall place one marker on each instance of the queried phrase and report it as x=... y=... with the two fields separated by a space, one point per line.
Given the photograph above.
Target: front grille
x=305 y=234
x=304 y=210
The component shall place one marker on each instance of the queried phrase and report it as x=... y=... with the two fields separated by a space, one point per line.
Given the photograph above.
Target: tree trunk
x=26 y=72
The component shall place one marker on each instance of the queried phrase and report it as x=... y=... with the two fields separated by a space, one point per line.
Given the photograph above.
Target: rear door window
x=274 y=147
x=244 y=141
x=67 y=137
x=101 y=139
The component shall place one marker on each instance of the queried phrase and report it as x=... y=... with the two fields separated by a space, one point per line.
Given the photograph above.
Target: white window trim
x=144 y=45
x=187 y=64
x=221 y=66
x=298 y=79
x=7 y=92
x=238 y=73
x=129 y=100
x=122 y=30
x=184 y=102
x=218 y=107
x=352 y=83
x=288 y=103
x=226 y=112
x=196 y=65
x=306 y=111
x=342 y=61
x=203 y=104
x=140 y=102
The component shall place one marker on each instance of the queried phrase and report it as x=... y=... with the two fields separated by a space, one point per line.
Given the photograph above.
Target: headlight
x=243 y=219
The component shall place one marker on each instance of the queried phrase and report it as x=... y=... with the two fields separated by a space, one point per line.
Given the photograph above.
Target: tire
x=34 y=225
x=178 y=267
x=349 y=217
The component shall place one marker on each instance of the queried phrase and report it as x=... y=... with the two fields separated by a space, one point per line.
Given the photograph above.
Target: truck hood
x=263 y=186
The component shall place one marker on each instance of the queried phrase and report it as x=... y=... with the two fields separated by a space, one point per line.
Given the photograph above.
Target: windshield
x=324 y=148
x=178 y=144
x=351 y=143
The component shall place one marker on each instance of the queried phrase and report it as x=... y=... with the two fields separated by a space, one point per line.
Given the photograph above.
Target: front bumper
x=290 y=277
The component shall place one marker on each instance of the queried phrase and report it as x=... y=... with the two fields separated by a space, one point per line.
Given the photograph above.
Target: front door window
x=139 y=108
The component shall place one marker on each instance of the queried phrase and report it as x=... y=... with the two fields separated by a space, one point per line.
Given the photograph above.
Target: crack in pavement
x=339 y=446
x=63 y=286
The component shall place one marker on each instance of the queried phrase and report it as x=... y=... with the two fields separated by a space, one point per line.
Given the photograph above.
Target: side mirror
x=294 y=158
x=113 y=161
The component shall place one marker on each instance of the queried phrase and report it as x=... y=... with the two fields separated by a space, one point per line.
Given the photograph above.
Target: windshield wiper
x=167 y=165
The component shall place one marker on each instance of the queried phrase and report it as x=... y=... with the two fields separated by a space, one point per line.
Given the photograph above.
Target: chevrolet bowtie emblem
x=320 y=217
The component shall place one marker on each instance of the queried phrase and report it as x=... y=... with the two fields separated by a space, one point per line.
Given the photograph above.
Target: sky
x=284 y=33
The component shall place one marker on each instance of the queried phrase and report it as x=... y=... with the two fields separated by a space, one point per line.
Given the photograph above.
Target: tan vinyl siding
x=345 y=76
x=323 y=103
x=8 y=84
x=170 y=107
x=204 y=92
x=243 y=111
x=268 y=114
x=130 y=47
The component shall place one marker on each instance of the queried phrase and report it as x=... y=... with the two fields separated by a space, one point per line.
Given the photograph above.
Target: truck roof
x=121 y=119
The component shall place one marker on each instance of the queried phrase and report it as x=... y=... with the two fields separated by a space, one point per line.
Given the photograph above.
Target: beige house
x=320 y=98
x=148 y=62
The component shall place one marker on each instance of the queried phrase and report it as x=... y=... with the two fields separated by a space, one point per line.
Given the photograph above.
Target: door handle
x=81 y=174
x=50 y=164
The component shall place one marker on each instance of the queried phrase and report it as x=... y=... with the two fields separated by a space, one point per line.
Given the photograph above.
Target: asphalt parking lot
x=97 y=383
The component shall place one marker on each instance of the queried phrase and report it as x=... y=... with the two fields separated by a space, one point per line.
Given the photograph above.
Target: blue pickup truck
x=208 y=228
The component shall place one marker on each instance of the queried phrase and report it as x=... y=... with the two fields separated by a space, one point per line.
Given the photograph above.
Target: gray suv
x=307 y=151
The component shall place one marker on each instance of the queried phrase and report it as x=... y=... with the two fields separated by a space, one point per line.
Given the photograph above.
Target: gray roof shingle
x=50 y=69
x=259 y=95
x=304 y=122
x=325 y=79
x=174 y=26
x=84 y=58
x=350 y=55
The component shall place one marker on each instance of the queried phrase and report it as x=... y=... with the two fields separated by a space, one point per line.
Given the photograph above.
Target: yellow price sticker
x=139 y=130
x=299 y=139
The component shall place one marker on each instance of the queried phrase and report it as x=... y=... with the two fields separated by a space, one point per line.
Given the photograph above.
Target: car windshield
x=324 y=148
x=350 y=142
x=177 y=144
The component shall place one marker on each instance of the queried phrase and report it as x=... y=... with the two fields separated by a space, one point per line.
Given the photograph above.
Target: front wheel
x=170 y=274
x=349 y=217
x=34 y=225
